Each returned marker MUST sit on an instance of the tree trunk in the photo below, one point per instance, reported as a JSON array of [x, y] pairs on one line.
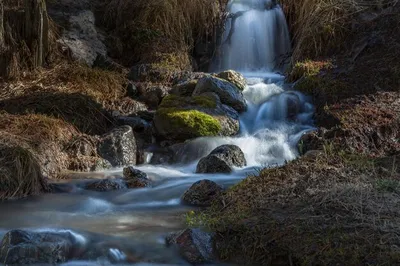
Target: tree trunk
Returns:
[[24, 37]]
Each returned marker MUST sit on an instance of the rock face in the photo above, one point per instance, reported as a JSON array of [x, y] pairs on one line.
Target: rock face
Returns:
[[182, 118], [228, 93], [135, 178], [24, 248], [152, 95], [80, 34], [221, 160], [235, 78], [118, 146], [106, 185], [202, 193], [194, 245]]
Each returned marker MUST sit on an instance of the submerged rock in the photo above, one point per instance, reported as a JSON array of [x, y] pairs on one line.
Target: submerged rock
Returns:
[[235, 78], [24, 248], [222, 159], [182, 118], [135, 178], [105, 185], [194, 245], [202, 193], [118, 146], [227, 92]]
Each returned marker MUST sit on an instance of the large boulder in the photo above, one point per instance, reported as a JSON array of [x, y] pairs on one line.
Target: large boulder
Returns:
[[182, 118], [227, 92], [194, 245], [235, 78], [119, 147], [202, 193], [185, 88], [152, 95], [222, 160], [24, 248]]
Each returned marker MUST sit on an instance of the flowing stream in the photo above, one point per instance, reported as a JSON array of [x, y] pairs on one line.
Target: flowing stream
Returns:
[[135, 222]]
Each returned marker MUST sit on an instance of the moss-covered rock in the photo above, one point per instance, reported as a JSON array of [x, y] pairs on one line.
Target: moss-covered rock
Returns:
[[182, 118], [175, 123]]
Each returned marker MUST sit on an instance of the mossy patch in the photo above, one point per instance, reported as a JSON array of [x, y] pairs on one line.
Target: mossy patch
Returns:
[[174, 101], [188, 123]]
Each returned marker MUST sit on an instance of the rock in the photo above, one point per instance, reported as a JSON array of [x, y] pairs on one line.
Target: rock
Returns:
[[202, 193], [235, 78], [105, 185], [227, 92], [311, 141], [185, 88], [135, 178], [131, 89], [24, 248], [194, 245], [181, 118], [151, 73], [152, 95], [136, 123], [82, 38], [128, 106], [118, 146], [221, 160]]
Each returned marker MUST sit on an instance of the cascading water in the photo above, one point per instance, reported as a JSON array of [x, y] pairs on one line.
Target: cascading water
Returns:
[[256, 37], [137, 219]]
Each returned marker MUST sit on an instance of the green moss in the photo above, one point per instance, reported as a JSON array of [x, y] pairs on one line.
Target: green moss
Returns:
[[174, 101], [189, 123]]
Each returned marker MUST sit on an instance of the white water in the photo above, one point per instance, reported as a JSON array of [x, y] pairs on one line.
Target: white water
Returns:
[[260, 38], [137, 220]]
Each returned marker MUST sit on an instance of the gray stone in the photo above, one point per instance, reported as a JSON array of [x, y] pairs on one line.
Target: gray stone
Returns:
[[222, 160], [202, 193], [235, 78], [194, 245], [227, 92], [185, 88], [118, 147], [24, 248]]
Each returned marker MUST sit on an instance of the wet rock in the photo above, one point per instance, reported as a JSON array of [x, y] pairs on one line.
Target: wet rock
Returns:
[[311, 141], [61, 188], [227, 92], [24, 248], [135, 178], [202, 193], [221, 160], [194, 245], [118, 146], [105, 185], [235, 78]]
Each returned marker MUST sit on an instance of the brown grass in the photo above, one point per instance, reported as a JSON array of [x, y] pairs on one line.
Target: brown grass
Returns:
[[72, 92], [20, 172], [332, 210], [320, 26], [167, 26]]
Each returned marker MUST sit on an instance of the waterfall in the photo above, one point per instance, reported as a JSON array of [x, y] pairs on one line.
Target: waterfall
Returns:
[[256, 37]]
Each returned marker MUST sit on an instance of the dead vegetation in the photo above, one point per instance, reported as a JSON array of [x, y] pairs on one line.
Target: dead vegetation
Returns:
[[333, 209], [320, 27], [153, 31]]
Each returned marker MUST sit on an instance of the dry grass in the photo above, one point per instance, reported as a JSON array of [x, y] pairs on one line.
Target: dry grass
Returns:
[[72, 92], [320, 26], [332, 210], [167, 26], [20, 172]]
